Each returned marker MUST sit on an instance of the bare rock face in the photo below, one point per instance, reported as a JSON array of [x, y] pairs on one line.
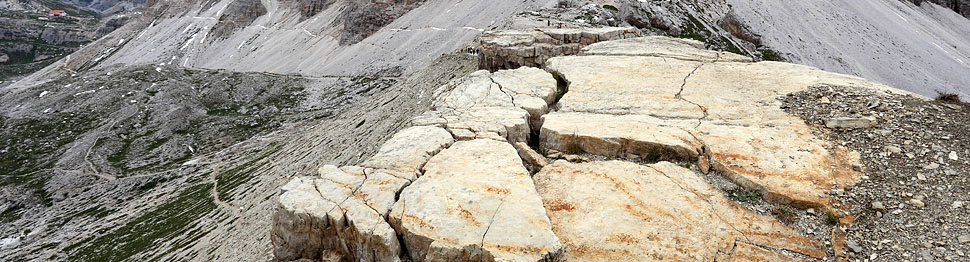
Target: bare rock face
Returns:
[[362, 18], [327, 214], [501, 105], [475, 202], [343, 211], [714, 106], [656, 212], [408, 150], [455, 186], [238, 14], [514, 49], [962, 7]]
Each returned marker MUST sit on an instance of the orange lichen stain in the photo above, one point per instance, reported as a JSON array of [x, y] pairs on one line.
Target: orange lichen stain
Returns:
[[622, 238], [467, 216], [734, 156], [496, 190], [417, 220], [559, 205], [585, 251]]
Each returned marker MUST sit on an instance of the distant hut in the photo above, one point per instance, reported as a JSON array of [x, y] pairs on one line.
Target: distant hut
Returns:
[[57, 13]]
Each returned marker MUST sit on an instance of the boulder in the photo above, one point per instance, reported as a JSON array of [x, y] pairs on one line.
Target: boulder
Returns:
[[475, 201], [656, 212]]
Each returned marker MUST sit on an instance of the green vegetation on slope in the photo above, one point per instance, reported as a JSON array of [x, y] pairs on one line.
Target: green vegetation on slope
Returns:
[[176, 217]]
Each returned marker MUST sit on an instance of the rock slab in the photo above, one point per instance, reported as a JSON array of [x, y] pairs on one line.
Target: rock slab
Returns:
[[668, 99], [475, 201], [656, 212]]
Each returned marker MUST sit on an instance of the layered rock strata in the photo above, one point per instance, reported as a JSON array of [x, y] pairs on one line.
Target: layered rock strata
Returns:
[[455, 186], [514, 49]]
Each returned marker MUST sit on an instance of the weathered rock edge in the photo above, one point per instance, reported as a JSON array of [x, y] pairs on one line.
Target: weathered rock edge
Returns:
[[345, 211], [514, 49]]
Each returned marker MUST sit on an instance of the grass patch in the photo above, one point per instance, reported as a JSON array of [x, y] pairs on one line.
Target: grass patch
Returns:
[[230, 180], [771, 55], [141, 233], [831, 218], [573, 147], [949, 98], [611, 8], [10, 215], [784, 214], [752, 197]]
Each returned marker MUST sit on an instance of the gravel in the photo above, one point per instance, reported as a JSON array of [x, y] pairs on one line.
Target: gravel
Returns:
[[909, 204]]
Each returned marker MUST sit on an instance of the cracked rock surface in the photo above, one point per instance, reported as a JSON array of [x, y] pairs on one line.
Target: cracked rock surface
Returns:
[[344, 209], [475, 202], [723, 111], [656, 212], [499, 105], [459, 186]]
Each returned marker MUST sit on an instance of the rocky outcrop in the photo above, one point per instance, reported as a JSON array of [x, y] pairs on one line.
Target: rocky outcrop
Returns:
[[360, 19], [475, 202], [514, 49], [715, 108], [344, 209], [644, 103], [238, 14], [656, 212], [962, 7], [500, 106]]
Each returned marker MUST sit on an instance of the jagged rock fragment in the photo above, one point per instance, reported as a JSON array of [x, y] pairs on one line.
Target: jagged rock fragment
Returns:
[[850, 122], [476, 202], [530, 155], [611, 211]]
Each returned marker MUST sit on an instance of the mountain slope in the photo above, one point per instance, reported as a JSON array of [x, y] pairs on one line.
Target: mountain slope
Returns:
[[923, 49], [278, 38]]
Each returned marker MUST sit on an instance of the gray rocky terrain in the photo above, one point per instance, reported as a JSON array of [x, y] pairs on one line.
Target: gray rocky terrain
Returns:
[[31, 39], [357, 131]]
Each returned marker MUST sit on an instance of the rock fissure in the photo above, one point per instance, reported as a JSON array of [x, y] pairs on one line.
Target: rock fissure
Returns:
[[729, 253], [684, 84], [500, 88], [489, 226]]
